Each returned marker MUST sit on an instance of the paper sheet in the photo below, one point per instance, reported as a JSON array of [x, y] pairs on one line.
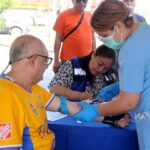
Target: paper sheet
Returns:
[[53, 116]]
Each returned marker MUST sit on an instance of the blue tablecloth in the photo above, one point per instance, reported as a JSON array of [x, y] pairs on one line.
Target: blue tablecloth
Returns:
[[92, 136]]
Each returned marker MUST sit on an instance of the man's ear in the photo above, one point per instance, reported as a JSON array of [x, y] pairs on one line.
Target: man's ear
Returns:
[[32, 61], [93, 54]]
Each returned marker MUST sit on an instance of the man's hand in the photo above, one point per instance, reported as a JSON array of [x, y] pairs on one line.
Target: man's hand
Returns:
[[56, 66], [87, 113], [108, 92]]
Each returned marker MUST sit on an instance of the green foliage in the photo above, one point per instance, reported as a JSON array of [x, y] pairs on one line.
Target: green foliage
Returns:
[[6, 4], [2, 23]]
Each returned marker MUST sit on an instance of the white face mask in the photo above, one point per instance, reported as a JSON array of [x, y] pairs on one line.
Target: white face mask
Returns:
[[110, 42]]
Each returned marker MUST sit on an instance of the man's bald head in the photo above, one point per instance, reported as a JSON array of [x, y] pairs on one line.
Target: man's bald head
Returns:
[[25, 45]]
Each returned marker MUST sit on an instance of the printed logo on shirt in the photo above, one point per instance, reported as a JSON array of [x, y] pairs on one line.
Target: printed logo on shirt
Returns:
[[5, 131], [43, 129], [39, 104], [34, 109]]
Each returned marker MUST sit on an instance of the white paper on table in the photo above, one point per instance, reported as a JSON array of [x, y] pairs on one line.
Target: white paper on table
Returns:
[[53, 116]]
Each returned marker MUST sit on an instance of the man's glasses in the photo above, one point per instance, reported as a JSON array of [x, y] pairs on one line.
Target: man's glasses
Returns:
[[48, 60], [84, 1]]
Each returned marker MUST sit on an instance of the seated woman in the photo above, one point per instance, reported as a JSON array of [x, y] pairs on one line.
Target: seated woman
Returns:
[[82, 78]]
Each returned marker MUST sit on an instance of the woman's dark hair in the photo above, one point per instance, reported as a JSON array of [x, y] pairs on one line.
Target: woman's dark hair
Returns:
[[108, 13], [104, 51]]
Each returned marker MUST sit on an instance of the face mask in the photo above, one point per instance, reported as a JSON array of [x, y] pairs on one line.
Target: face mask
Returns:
[[111, 43]]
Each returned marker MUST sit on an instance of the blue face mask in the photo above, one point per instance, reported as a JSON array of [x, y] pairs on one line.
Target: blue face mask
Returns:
[[111, 43]]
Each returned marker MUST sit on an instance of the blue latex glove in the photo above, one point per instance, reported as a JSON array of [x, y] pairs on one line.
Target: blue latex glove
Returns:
[[88, 112], [108, 92], [63, 106]]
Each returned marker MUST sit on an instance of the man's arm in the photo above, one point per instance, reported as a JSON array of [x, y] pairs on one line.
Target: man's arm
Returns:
[[71, 94], [74, 109], [62, 105], [93, 42], [55, 103], [57, 47]]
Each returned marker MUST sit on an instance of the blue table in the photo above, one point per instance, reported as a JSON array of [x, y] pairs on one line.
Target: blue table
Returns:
[[92, 136]]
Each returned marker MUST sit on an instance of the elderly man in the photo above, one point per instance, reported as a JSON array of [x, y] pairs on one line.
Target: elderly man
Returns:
[[23, 122]]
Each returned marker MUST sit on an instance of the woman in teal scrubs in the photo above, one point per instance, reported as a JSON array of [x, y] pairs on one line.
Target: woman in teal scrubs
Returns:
[[116, 28]]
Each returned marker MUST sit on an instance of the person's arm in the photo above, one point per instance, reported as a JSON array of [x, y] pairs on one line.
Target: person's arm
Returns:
[[62, 82], [71, 94], [126, 101], [93, 42], [72, 109], [55, 103], [57, 47]]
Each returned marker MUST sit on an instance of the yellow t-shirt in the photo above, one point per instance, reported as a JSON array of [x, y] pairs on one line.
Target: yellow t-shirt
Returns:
[[23, 121]]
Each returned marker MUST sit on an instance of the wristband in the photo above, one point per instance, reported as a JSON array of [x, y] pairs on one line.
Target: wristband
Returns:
[[63, 106]]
